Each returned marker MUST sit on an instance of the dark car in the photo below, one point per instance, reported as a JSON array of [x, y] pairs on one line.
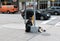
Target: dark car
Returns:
[[39, 15], [53, 10]]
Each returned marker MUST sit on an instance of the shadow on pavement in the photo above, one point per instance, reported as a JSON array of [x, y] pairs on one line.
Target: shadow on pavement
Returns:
[[45, 34]]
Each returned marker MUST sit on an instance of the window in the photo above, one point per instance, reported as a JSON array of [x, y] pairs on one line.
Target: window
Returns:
[[53, 8], [58, 8], [8, 4], [2, 0]]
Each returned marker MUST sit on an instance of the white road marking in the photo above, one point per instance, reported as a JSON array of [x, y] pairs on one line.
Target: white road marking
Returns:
[[15, 26], [58, 24], [48, 20]]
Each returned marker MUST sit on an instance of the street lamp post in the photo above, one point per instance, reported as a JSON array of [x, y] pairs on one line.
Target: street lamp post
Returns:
[[34, 13], [33, 28], [58, 2], [53, 2], [25, 12], [48, 4], [37, 4]]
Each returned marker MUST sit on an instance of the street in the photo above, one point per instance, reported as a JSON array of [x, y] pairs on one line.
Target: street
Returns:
[[12, 26], [17, 19], [12, 29], [54, 20], [9, 18]]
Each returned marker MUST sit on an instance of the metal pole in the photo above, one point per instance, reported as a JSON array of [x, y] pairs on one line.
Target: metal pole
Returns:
[[53, 2], [18, 4], [25, 12], [58, 1], [48, 4], [34, 13], [37, 4]]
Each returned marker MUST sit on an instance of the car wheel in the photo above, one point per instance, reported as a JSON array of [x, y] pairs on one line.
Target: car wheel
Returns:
[[13, 12], [42, 18], [49, 13], [16, 12], [56, 13], [8, 12]]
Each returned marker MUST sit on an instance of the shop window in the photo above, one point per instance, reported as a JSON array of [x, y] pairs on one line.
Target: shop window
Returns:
[[43, 6]]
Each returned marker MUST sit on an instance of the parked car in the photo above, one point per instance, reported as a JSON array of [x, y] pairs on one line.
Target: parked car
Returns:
[[39, 15], [8, 8], [53, 10]]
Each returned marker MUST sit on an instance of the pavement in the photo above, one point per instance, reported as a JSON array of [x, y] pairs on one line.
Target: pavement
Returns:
[[16, 32]]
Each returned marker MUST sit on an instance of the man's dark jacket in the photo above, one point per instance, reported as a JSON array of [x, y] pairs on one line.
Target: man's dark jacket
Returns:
[[28, 25]]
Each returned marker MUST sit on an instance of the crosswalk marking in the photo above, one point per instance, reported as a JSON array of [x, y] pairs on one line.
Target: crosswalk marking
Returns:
[[48, 20], [58, 24]]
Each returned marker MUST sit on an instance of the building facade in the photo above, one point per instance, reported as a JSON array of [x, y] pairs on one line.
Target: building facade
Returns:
[[42, 4]]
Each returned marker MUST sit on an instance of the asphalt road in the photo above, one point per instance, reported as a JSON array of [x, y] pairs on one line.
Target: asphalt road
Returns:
[[9, 18], [54, 20], [16, 18], [9, 31]]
